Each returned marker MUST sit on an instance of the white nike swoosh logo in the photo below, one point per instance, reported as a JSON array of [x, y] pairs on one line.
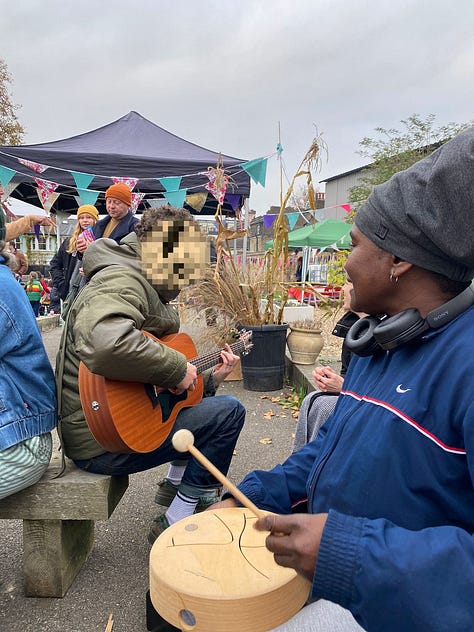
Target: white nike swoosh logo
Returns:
[[402, 390]]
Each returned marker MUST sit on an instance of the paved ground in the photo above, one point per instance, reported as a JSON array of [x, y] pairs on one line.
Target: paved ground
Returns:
[[114, 580]]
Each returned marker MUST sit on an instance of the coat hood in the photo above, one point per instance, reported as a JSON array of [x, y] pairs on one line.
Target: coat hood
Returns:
[[105, 252]]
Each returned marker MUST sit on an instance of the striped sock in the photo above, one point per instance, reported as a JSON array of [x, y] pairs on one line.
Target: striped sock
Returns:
[[181, 507], [175, 473]]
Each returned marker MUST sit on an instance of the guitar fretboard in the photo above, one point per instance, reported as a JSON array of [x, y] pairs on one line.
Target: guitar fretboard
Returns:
[[211, 359]]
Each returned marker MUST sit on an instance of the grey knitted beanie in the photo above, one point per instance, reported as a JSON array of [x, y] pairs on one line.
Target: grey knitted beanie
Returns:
[[425, 214]]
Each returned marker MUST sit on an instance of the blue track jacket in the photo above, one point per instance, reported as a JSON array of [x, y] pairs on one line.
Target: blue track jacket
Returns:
[[394, 467]]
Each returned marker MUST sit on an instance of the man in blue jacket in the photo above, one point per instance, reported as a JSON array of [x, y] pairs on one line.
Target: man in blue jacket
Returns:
[[389, 479]]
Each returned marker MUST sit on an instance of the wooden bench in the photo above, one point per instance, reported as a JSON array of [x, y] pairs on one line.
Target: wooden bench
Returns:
[[58, 524]]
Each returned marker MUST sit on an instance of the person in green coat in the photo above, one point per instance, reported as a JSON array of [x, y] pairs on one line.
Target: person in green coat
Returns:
[[129, 286]]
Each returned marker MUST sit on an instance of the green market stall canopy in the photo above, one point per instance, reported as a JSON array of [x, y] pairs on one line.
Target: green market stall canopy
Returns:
[[329, 233]]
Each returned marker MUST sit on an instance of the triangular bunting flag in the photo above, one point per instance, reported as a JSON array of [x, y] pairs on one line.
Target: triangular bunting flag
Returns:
[[233, 199], [176, 198], [82, 180], [292, 219], [8, 190], [34, 166], [257, 170], [7, 210], [196, 201], [156, 202], [217, 184], [6, 175], [171, 183], [130, 182], [49, 200], [268, 220], [45, 188], [136, 199], [88, 196], [346, 207]]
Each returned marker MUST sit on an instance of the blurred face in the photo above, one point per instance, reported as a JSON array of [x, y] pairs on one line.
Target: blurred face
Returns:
[[116, 208], [174, 255], [86, 220], [368, 269]]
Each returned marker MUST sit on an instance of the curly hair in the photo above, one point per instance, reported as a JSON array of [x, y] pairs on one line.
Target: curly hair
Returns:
[[9, 258], [160, 213]]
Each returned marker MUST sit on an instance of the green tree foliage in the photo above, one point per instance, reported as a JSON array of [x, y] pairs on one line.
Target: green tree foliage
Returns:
[[11, 130], [394, 150]]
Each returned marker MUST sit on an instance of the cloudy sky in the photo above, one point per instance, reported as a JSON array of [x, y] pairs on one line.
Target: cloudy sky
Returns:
[[227, 74]]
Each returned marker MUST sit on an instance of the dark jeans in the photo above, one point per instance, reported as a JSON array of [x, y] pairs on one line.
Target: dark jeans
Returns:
[[215, 422], [36, 307]]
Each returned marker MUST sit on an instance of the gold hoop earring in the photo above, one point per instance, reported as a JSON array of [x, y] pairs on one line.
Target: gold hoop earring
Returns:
[[393, 278]]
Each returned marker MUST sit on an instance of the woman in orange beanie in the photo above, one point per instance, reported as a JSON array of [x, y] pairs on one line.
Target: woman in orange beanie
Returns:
[[64, 262]]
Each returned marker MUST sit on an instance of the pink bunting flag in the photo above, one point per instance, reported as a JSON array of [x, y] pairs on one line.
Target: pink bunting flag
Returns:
[[346, 207], [217, 184], [45, 188], [34, 166], [136, 199], [130, 182]]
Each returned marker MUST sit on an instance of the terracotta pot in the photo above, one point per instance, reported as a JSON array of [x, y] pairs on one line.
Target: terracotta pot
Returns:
[[304, 345]]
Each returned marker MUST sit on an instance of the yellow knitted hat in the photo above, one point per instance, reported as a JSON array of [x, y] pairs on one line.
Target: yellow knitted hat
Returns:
[[89, 209]]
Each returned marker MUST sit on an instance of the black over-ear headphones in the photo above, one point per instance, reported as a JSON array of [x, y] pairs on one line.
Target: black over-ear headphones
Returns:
[[371, 334]]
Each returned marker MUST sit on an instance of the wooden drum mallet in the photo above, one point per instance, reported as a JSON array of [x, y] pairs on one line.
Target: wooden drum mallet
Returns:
[[211, 572], [183, 441]]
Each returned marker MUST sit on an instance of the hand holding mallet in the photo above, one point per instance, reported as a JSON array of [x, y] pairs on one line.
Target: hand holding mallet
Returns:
[[183, 441]]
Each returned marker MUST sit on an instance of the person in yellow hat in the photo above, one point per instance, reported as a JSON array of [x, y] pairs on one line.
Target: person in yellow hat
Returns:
[[65, 261]]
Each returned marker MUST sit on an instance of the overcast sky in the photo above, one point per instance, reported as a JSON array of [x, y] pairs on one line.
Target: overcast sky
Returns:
[[225, 73]]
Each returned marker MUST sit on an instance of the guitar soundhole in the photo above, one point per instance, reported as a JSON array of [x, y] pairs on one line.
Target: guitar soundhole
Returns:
[[166, 400]]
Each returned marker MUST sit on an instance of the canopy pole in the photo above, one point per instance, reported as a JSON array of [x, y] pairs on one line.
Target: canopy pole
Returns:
[[245, 240]]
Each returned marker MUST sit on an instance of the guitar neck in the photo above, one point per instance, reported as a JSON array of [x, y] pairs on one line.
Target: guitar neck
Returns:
[[211, 359]]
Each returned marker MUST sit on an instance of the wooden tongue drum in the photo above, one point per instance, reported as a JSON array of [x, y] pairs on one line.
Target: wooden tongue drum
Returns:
[[211, 572]]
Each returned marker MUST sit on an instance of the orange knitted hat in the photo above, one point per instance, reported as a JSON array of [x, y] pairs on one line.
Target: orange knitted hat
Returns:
[[120, 191]]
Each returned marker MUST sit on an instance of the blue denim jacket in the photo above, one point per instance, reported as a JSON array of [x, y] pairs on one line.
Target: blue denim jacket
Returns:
[[28, 405]]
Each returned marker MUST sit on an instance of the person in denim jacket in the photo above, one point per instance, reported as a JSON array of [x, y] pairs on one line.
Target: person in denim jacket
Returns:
[[28, 407]]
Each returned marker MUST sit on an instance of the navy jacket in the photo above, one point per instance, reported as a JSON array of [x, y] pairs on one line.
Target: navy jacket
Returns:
[[394, 467], [124, 227]]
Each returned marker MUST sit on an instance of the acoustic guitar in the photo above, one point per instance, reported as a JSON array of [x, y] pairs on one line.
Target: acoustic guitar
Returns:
[[127, 417]]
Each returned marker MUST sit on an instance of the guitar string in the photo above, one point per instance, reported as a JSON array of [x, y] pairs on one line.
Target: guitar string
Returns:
[[206, 361]]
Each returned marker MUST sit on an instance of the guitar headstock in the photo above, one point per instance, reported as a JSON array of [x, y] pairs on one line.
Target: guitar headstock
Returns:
[[245, 338]]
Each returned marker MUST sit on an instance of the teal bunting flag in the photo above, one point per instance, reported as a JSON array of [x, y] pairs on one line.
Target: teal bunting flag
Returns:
[[82, 180], [87, 196], [292, 219], [257, 170], [6, 175], [171, 183], [176, 198]]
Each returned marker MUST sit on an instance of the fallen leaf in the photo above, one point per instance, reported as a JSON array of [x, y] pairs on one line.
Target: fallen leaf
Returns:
[[265, 441], [269, 414]]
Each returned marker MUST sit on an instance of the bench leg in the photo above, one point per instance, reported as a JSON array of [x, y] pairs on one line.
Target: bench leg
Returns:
[[53, 553]]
